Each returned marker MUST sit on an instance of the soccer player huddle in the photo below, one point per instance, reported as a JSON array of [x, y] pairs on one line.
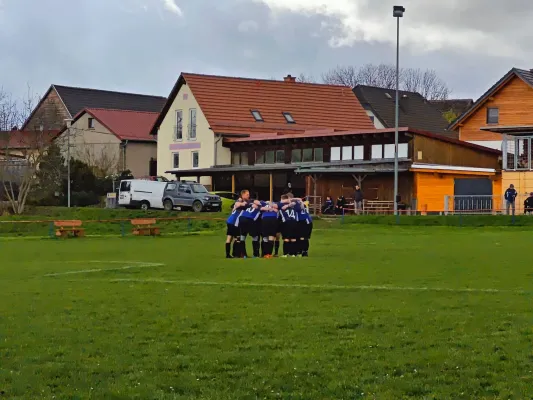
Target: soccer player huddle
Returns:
[[266, 222]]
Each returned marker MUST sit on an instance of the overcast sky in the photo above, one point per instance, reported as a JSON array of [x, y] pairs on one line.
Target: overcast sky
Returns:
[[143, 45]]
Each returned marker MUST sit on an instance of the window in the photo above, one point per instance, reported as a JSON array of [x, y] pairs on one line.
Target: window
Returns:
[[240, 158], [493, 115], [335, 154], [372, 118], [171, 187], [318, 155], [125, 186], [359, 152], [195, 159], [307, 155], [257, 115], [198, 188], [178, 131], [280, 156], [296, 155], [192, 124], [90, 123], [176, 160], [403, 150], [183, 188], [377, 151], [289, 118], [388, 151], [269, 157], [259, 157], [347, 153]]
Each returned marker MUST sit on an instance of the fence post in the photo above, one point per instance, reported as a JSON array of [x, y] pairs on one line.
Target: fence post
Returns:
[[446, 204], [188, 225], [513, 219], [342, 217], [460, 219], [51, 230], [122, 229]]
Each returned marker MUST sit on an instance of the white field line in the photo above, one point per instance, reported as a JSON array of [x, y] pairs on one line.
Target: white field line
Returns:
[[131, 264], [324, 287]]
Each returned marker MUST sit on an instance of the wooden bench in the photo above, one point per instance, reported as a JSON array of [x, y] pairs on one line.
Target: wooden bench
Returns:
[[145, 227], [69, 228], [377, 207]]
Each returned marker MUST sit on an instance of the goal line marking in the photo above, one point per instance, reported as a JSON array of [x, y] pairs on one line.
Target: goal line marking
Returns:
[[127, 265], [324, 287]]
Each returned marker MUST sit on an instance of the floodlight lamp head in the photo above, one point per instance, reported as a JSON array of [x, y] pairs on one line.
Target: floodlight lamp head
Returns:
[[398, 11]]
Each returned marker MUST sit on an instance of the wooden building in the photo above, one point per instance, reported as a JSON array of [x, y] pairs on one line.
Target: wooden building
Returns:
[[330, 162]]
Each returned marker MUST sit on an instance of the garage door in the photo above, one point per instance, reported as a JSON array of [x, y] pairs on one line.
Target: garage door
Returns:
[[473, 194]]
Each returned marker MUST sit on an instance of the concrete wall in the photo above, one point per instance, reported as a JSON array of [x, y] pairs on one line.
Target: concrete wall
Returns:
[[204, 143]]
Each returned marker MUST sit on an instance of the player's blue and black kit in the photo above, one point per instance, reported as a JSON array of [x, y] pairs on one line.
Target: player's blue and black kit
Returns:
[[305, 228], [231, 222], [289, 219], [250, 224], [269, 220]]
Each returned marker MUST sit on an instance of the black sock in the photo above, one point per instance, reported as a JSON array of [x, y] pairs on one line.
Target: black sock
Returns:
[[286, 247], [264, 248], [255, 247], [270, 247], [276, 247], [300, 244], [236, 249], [228, 249], [243, 248], [306, 246]]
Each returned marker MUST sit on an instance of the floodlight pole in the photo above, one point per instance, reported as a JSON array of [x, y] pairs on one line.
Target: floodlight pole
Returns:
[[69, 123], [397, 13]]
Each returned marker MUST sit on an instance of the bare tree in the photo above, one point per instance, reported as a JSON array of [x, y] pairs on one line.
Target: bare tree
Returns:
[[342, 75], [21, 152], [103, 158], [302, 78], [427, 82]]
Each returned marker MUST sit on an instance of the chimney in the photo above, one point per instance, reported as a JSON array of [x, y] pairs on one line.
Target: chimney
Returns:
[[289, 78]]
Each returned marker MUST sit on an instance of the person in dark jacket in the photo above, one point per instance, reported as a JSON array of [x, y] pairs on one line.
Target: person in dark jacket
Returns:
[[510, 197], [329, 206], [528, 204], [341, 204], [358, 199]]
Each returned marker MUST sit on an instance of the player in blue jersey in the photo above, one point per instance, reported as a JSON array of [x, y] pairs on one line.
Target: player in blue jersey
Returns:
[[233, 233], [249, 224], [269, 227], [288, 225], [305, 227]]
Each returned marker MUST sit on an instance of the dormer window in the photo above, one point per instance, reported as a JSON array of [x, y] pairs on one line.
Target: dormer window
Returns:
[[257, 115], [289, 118]]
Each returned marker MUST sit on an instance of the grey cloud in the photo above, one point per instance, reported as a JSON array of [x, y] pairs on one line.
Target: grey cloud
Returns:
[[137, 45]]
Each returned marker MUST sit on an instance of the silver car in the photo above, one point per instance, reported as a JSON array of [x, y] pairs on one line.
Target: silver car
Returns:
[[190, 195]]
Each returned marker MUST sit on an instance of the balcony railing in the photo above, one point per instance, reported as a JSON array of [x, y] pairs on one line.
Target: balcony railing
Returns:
[[191, 133], [517, 153], [178, 132]]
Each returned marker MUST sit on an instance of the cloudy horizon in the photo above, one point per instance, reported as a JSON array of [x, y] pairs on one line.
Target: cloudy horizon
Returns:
[[143, 45]]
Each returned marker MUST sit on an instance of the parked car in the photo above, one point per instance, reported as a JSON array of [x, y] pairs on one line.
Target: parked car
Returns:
[[190, 195], [228, 199], [139, 193]]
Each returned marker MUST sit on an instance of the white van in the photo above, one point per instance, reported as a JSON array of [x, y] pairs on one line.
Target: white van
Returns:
[[139, 193]]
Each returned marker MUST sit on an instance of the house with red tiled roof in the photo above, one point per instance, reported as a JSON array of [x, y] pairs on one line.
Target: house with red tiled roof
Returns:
[[203, 110], [113, 140]]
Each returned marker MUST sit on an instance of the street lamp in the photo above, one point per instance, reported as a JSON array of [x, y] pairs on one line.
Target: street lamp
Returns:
[[397, 13]]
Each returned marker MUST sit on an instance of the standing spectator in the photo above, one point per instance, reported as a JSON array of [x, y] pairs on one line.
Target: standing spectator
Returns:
[[528, 204], [510, 197], [358, 199]]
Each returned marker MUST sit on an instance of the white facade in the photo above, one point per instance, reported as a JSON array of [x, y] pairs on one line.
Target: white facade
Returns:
[[192, 146]]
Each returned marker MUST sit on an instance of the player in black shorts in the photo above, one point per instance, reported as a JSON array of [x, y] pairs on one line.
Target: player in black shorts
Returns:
[[288, 226], [233, 233], [269, 227]]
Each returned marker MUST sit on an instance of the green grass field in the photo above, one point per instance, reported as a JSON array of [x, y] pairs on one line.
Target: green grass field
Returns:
[[376, 312]]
